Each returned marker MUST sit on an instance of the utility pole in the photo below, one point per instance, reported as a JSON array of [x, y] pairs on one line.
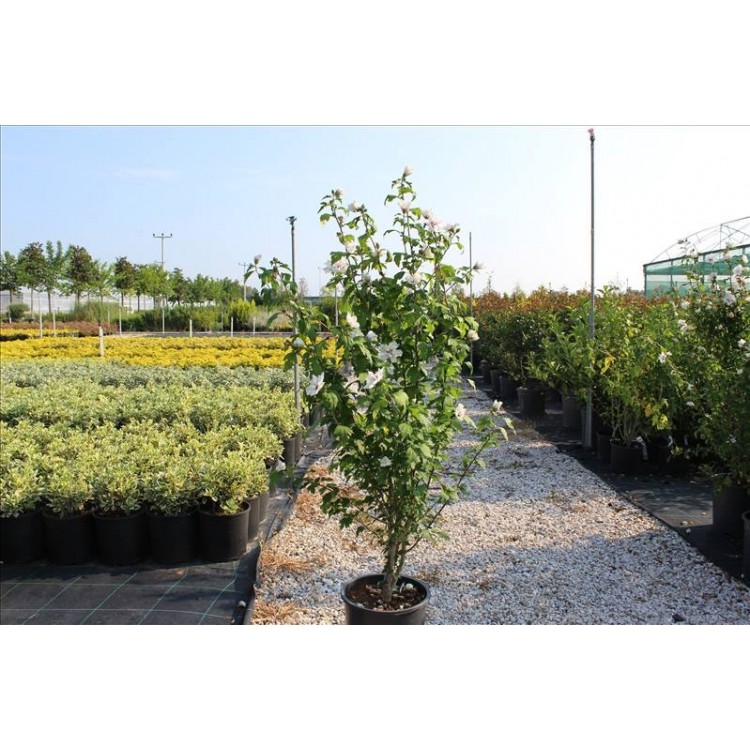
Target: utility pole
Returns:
[[244, 281], [291, 220], [162, 237], [471, 300]]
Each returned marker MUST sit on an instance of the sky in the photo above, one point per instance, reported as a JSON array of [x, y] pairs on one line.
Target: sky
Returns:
[[523, 192]]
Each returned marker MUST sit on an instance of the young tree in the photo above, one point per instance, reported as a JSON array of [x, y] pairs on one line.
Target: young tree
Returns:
[[124, 277], [31, 268], [79, 271], [102, 279], [179, 285], [9, 281], [155, 281], [53, 270]]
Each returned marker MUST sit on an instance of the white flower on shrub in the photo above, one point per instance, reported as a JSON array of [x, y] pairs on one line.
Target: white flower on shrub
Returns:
[[408, 171], [350, 248], [339, 193], [729, 298], [426, 253], [351, 321], [738, 270], [472, 336], [363, 408], [742, 343], [256, 260], [460, 412], [373, 378], [413, 278], [691, 404], [316, 383], [298, 343], [451, 227], [404, 205], [340, 265], [683, 326], [389, 352], [355, 206], [664, 356], [497, 407], [684, 304], [372, 336], [385, 462]]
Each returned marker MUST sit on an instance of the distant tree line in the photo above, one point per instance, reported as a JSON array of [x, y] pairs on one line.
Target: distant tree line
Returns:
[[50, 269]]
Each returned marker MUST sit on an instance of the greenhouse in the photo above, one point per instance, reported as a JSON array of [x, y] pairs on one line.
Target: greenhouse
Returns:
[[718, 250]]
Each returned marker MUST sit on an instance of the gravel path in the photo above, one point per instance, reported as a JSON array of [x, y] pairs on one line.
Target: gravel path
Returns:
[[537, 539]]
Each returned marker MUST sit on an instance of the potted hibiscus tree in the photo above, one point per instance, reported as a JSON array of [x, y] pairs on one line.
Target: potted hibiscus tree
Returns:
[[389, 391]]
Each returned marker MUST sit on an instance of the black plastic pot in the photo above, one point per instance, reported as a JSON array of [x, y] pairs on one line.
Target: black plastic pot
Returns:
[[223, 537], [746, 547], [174, 539], [121, 540], [531, 402], [508, 388], [495, 376], [729, 505], [22, 538], [625, 459], [571, 412], [289, 456], [484, 369], [69, 541], [359, 615], [603, 446]]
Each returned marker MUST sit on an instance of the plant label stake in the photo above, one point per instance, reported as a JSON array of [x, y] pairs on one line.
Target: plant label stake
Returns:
[[101, 342]]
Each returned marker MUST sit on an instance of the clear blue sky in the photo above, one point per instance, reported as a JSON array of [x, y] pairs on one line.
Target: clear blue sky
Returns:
[[224, 192]]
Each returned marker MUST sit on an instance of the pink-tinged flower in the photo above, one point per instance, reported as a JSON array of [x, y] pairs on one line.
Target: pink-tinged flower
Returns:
[[389, 352], [683, 326], [316, 383], [451, 227], [373, 378], [664, 356], [738, 270], [385, 462], [340, 265], [434, 223], [404, 205], [408, 171], [729, 298]]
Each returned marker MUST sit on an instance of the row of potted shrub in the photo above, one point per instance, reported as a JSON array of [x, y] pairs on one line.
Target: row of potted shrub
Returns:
[[75, 485], [673, 372]]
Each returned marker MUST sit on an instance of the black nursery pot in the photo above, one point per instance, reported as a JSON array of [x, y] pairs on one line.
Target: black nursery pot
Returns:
[[571, 412], [223, 537], [495, 376], [121, 540], [358, 615], [289, 456], [174, 539], [253, 518], [603, 446], [746, 547], [508, 388], [730, 503], [263, 500], [22, 538], [531, 402], [625, 459], [69, 541]]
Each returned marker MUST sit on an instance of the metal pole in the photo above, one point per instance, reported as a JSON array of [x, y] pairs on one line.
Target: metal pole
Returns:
[[588, 433], [162, 237], [291, 220], [244, 281], [471, 300]]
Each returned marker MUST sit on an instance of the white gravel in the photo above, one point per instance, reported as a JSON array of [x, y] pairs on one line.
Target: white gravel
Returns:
[[537, 539]]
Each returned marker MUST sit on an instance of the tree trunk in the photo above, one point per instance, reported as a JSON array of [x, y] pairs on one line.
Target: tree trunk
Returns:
[[49, 300]]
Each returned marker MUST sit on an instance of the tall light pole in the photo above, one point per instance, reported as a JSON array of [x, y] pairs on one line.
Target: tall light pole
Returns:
[[588, 437], [291, 220], [162, 237]]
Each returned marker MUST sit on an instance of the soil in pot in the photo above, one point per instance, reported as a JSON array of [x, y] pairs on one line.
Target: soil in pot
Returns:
[[69, 541], [174, 539], [22, 538], [121, 539], [363, 606]]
